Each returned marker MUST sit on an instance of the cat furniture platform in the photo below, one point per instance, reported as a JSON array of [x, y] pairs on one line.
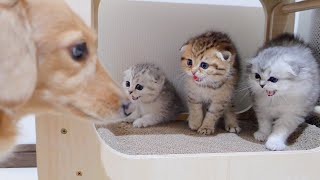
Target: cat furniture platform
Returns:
[[69, 148]]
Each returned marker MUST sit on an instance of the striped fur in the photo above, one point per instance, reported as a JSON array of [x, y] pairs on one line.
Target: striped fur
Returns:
[[210, 86], [157, 102]]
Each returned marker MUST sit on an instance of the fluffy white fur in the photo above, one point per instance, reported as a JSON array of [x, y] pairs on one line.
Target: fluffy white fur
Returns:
[[290, 99], [157, 102]]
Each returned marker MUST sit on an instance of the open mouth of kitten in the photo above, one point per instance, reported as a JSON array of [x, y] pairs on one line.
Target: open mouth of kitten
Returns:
[[135, 98], [271, 93], [196, 78]]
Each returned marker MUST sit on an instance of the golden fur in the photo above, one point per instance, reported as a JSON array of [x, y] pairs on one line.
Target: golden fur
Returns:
[[38, 73], [210, 88]]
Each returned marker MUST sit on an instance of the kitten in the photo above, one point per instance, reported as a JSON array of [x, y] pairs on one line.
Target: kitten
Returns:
[[210, 62], [284, 80], [153, 96]]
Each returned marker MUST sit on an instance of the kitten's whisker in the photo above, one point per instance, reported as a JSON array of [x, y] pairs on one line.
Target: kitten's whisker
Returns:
[[284, 99], [243, 89], [244, 96]]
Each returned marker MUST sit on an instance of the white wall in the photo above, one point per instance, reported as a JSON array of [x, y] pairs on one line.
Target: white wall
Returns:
[[132, 32], [82, 8], [303, 24]]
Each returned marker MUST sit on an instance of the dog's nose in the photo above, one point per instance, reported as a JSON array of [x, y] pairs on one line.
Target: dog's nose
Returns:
[[262, 85], [127, 107]]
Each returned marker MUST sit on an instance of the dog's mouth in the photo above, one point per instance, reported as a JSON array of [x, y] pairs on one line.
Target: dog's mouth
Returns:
[[125, 109], [271, 93]]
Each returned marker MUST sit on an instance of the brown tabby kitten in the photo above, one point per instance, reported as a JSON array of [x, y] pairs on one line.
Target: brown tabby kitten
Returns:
[[210, 62]]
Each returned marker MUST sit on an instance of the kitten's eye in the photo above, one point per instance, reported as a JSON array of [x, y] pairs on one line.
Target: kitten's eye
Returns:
[[79, 51], [273, 79], [258, 76], [204, 65], [189, 62], [139, 87], [127, 84]]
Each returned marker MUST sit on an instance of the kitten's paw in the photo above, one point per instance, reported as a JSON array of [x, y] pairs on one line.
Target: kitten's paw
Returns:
[[139, 123], [275, 144], [194, 122], [194, 125], [260, 136], [233, 129], [205, 131]]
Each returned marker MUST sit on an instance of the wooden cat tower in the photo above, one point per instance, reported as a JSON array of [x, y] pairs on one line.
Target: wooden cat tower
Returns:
[[69, 148]]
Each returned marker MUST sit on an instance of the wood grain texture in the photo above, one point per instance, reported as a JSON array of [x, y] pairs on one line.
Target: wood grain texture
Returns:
[[277, 22], [67, 149], [24, 155], [94, 12], [301, 6], [82, 152]]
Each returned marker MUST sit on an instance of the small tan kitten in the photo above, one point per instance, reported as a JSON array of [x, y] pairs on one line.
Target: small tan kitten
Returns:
[[210, 62]]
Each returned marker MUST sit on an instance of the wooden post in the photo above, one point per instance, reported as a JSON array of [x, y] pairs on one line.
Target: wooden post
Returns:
[[301, 6], [277, 21], [94, 13], [68, 149]]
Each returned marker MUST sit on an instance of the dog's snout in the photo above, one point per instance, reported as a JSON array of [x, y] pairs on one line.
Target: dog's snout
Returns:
[[127, 107]]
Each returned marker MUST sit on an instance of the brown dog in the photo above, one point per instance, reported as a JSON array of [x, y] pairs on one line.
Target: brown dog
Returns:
[[48, 60]]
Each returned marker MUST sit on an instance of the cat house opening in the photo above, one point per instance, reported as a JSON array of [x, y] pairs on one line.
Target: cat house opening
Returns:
[[132, 32]]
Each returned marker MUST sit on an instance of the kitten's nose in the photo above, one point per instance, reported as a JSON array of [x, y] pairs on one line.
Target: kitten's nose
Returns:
[[194, 71], [262, 85], [130, 92]]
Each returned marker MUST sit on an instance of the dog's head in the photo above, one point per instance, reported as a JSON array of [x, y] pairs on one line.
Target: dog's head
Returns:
[[48, 52]]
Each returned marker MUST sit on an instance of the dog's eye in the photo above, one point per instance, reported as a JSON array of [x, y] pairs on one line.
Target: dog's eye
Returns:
[[257, 76], [273, 79], [79, 51], [139, 87], [127, 84]]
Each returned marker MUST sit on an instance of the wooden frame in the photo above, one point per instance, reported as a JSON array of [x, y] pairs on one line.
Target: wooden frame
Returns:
[[69, 148], [24, 155]]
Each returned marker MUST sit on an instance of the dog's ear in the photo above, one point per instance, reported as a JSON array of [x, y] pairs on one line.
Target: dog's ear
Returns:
[[8, 3], [18, 67]]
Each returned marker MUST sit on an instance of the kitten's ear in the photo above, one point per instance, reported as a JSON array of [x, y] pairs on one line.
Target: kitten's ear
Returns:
[[183, 48], [127, 71], [249, 67], [224, 55], [293, 69], [159, 79]]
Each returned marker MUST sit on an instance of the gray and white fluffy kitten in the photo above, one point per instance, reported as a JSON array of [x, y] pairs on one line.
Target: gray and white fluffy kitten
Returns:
[[154, 99], [284, 80]]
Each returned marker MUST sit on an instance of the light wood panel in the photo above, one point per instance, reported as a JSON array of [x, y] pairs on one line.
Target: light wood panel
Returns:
[[301, 6], [67, 149], [78, 148], [94, 12], [24, 155], [277, 22]]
